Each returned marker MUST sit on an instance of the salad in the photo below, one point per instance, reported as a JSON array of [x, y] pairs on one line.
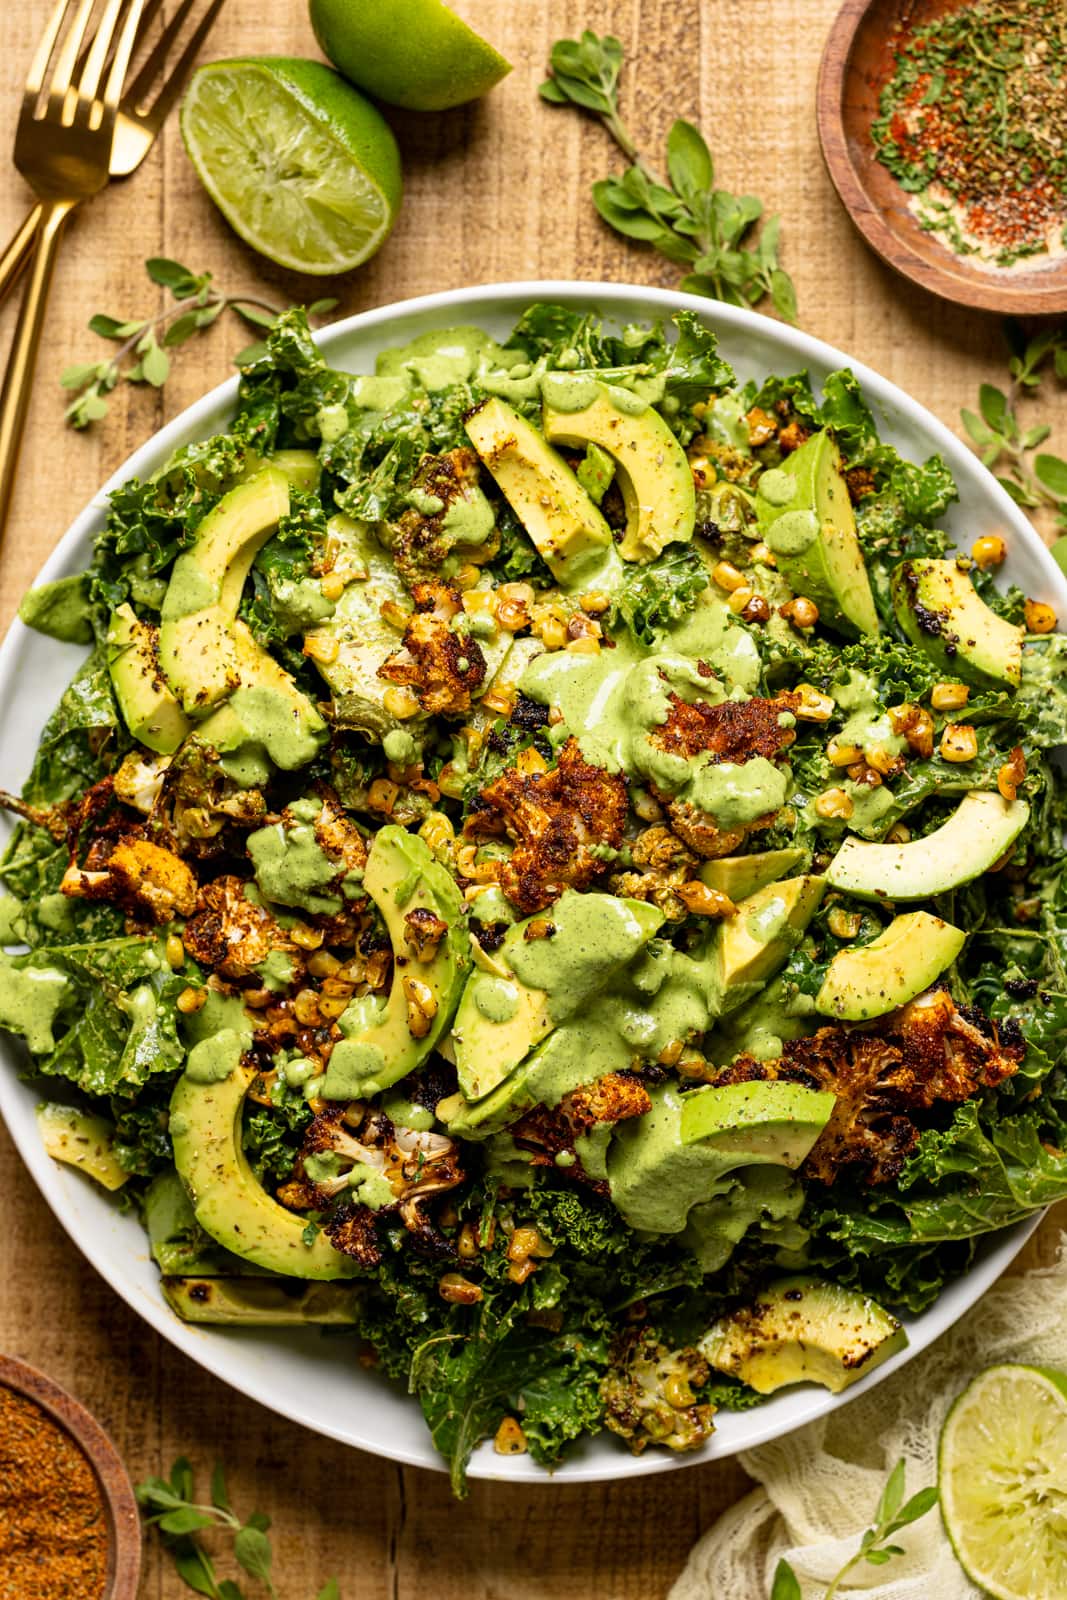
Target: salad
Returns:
[[549, 870]]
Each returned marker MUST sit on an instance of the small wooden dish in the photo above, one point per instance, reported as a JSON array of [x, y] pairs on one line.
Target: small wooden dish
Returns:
[[856, 62], [124, 1565]]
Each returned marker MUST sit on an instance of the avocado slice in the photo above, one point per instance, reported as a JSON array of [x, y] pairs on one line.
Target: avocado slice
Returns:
[[654, 475], [977, 834], [740, 876], [941, 611], [178, 1243], [800, 1330], [751, 945], [562, 521], [228, 1200], [205, 588], [534, 983], [379, 1046], [805, 515], [263, 1302], [81, 1140], [870, 979], [302, 467], [266, 717], [769, 1122], [149, 709]]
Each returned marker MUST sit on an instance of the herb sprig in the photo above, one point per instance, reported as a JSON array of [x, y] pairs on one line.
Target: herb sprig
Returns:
[[891, 1514], [999, 432], [170, 1506], [687, 219], [144, 342]]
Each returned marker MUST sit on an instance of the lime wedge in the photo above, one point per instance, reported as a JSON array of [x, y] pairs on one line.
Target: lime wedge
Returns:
[[413, 53], [1003, 1480], [302, 166]]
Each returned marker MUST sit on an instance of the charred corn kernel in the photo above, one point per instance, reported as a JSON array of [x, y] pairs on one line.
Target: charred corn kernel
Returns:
[[529, 761], [691, 1064], [700, 901], [677, 1392], [398, 616], [989, 551], [898, 834], [646, 806], [191, 1000], [322, 647], [511, 615], [949, 696], [1011, 774], [528, 1242], [466, 577], [381, 796], [468, 865], [1040, 618], [422, 1006], [553, 634], [306, 1007], [585, 645], [502, 701], [354, 970], [467, 1243], [323, 964], [479, 602], [437, 830], [862, 773], [400, 702], [727, 577], [174, 951], [509, 1439], [739, 599], [763, 554], [522, 593], [834, 803], [336, 988], [844, 924], [458, 1290], [882, 759], [332, 1006], [757, 609], [702, 470], [814, 705], [670, 1053], [595, 602], [258, 999], [451, 782], [959, 742], [305, 937], [802, 612], [842, 755], [333, 586]]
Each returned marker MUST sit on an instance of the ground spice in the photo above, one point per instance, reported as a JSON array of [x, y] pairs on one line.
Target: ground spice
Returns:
[[54, 1533], [973, 122]]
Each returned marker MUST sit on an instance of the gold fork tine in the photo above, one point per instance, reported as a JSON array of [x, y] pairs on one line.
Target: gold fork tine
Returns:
[[93, 69], [175, 81], [42, 55], [137, 91], [63, 73], [120, 65]]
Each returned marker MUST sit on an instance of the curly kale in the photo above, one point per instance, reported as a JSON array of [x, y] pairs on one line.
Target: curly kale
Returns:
[[655, 595]]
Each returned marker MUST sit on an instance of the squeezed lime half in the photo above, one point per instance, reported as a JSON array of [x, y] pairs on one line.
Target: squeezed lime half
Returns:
[[413, 53]]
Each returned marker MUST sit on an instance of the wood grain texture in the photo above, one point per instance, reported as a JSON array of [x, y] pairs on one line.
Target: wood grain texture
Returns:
[[494, 192]]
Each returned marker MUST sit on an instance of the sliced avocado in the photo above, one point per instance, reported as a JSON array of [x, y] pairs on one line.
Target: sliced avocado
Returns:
[[178, 1243], [770, 1122], [653, 471], [941, 611], [977, 834], [302, 467], [805, 515], [740, 876], [751, 945], [149, 709], [266, 716], [534, 983], [870, 979], [82, 1141], [205, 588], [564, 524], [263, 1302], [228, 1200], [385, 1040], [804, 1330]]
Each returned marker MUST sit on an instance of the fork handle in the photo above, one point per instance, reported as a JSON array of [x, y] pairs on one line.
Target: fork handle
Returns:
[[17, 253], [18, 378]]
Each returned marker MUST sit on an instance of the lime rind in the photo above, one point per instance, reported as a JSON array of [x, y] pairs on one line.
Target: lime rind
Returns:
[[418, 54], [1003, 1482]]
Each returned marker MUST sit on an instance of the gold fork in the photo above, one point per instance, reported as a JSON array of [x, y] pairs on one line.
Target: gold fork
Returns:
[[63, 152], [138, 119]]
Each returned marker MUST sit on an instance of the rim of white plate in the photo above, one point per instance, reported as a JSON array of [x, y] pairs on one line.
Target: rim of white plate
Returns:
[[235, 1357]]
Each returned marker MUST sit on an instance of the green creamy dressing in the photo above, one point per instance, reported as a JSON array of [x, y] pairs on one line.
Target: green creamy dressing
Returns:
[[399, 746], [766, 1199], [268, 721], [579, 956], [276, 971], [442, 359], [299, 604], [214, 1059], [404, 1113], [219, 1013], [495, 999], [492, 906], [60, 609], [290, 864], [12, 927], [469, 520], [30, 998], [190, 589]]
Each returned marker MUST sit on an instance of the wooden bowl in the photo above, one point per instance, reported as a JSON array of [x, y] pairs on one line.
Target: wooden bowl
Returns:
[[856, 62], [124, 1564]]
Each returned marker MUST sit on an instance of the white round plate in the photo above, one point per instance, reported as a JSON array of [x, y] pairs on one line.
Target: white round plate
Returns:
[[316, 1381]]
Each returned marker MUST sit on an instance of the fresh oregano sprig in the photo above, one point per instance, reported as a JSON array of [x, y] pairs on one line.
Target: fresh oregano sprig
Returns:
[[687, 219], [999, 432], [169, 1505], [892, 1514], [144, 342]]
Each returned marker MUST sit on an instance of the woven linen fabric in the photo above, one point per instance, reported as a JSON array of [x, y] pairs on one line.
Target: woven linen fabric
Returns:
[[819, 1486]]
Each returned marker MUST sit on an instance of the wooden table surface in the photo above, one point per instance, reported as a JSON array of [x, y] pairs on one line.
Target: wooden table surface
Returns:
[[495, 191]]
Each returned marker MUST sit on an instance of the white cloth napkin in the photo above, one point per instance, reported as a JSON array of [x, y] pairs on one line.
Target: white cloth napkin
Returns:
[[820, 1485]]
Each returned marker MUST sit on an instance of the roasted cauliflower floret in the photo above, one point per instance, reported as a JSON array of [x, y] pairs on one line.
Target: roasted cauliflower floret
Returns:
[[734, 731], [560, 820], [649, 1394], [232, 934], [149, 881], [547, 1131], [339, 837], [422, 539], [443, 668]]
